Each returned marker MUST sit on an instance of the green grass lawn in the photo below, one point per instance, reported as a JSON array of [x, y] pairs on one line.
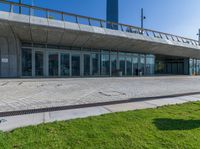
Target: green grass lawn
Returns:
[[166, 127]]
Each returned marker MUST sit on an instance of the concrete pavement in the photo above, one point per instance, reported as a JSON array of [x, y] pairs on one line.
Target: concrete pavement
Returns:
[[23, 94], [11, 122], [104, 95]]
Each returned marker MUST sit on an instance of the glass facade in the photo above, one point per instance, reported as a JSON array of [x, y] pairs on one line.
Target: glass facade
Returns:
[[39, 63], [64, 64], [95, 64], [74, 62], [141, 68], [194, 67], [150, 64], [129, 70], [53, 65], [171, 65], [105, 63], [135, 64], [113, 59], [122, 63], [26, 62], [86, 64]]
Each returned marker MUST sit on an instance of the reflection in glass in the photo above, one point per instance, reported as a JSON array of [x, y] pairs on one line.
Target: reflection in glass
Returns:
[[122, 63], [64, 64], [128, 65], [53, 65], [195, 66], [174, 68], [114, 63], [86, 64], [198, 67], [95, 64], [135, 64], [75, 65], [26, 62], [150, 64], [39, 63], [191, 66], [105, 64], [142, 64]]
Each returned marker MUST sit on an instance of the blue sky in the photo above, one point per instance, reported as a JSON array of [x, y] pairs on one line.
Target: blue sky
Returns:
[[181, 17]]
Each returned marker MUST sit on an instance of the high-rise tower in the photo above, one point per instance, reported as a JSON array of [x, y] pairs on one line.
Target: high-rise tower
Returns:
[[112, 11]]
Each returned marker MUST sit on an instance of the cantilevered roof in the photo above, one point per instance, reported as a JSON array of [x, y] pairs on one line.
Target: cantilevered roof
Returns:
[[56, 28]]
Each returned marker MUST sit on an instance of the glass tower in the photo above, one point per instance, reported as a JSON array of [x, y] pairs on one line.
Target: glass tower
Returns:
[[112, 13]]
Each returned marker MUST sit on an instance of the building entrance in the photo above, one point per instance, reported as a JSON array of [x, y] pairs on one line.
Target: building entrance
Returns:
[[171, 65]]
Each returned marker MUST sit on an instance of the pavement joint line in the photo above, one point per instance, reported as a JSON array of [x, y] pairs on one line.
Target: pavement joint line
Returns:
[[151, 103], [88, 105], [107, 109]]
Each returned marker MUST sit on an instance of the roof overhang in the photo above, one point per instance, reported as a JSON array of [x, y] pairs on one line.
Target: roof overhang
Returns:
[[48, 31]]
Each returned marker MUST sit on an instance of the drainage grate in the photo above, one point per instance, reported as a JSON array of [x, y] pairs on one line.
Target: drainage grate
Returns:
[[32, 111]]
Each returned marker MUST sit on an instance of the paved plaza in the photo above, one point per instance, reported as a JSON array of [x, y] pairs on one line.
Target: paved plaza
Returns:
[[23, 94]]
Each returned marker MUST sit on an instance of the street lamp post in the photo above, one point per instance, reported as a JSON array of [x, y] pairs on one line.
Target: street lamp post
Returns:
[[32, 4], [20, 8], [142, 20], [199, 36]]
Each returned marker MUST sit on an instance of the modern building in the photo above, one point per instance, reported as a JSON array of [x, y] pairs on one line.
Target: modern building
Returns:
[[39, 42], [112, 13]]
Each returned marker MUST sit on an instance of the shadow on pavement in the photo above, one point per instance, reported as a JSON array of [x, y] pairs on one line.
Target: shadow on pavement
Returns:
[[176, 124]]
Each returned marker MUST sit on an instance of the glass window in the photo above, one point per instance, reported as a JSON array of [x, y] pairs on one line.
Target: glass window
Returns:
[[174, 68], [195, 67], [53, 65], [122, 63], [105, 64], [129, 65], [142, 64], [169, 68], [198, 67], [26, 62], [95, 64], [114, 63], [75, 65], [180, 68], [39, 63], [150, 64], [135, 64], [64, 64], [191, 66], [86, 64]]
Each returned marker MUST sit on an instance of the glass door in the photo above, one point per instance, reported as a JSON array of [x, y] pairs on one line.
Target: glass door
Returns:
[[122, 63], [53, 64], [65, 64], [105, 64], [26, 62], [141, 69], [39, 63], [95, 64], [129, 67], [113, 59], [75, 64], [135, 64], [86, 58]]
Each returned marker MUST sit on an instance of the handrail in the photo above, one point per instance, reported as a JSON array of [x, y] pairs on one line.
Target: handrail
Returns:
[[15, 7]]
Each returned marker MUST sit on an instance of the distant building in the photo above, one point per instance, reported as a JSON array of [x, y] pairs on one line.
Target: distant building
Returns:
[[112, 12]]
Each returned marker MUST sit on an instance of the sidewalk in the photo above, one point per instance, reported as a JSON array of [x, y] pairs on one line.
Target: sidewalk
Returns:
[[11, 122]]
